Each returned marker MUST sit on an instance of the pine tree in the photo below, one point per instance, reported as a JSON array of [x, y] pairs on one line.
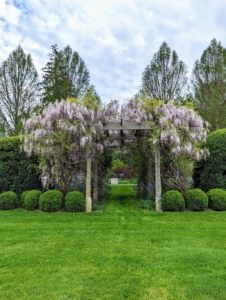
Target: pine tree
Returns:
[[65, 75]]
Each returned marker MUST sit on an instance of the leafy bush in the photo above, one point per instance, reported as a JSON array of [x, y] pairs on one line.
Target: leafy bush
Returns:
[[23, 195], [51, 201], [217, 199], [18, 172], [173, 201], [75, 201], [8, 200], [31, 200], [210, 173], [196, 199], [146, 204]]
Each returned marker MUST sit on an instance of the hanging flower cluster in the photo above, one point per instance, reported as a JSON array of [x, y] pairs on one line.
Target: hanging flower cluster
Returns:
[[63, 135], [181, 129]]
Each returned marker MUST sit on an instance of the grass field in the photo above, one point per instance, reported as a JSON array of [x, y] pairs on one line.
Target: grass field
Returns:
[[120, 253]]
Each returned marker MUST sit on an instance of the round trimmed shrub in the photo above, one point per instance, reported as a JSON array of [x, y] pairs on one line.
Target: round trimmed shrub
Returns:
[[173, 201], [75, 201], [217, 199], [51, 201], [8, 200], [196, 199], [31, 200], [22, 197]]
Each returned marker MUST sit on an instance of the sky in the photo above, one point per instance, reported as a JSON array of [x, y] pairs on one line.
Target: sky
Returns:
[[116, 38]]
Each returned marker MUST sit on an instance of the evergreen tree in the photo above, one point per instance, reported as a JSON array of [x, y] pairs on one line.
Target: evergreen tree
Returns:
[[165, 77], [209, 85], [65, 75], [18, 91]]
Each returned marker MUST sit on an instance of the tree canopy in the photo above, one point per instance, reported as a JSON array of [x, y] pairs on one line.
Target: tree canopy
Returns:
[[65, 75], [209, 85], [165, 77], [18, 91]]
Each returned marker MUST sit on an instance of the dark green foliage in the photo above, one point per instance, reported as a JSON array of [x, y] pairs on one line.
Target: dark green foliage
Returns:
[[31, 200], [211, 173], [65, 75], [75, 201], [173, 201], [18, 172], [217, 199], [196, 199], [8, 200], [146, 204], [51, 201]]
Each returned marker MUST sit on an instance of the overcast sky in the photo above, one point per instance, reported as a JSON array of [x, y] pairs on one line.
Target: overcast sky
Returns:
[[115, 38]]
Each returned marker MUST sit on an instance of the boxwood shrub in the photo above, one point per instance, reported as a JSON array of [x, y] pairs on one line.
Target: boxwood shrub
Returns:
[[196, 199], [217, 199], [31, 200], [173, 201], [8, 200], [51, 201], [75, 201]]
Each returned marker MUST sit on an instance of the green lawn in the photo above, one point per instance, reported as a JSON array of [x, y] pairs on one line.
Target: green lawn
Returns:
[[120, 253]]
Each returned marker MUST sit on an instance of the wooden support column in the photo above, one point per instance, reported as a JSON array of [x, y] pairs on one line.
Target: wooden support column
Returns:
[[158, 184], [88, 186], [95, 179]]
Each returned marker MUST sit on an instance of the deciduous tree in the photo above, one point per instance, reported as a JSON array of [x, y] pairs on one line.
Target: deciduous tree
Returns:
[[165, 77], [18, 91], [209, 85]]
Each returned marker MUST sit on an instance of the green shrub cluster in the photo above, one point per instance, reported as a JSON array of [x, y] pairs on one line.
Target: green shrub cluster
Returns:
[[211, 173], [75, 202], [51, 201], [8, 200], [173, 201], [146, 204], [18, 172], [196, 199], [217, 199], [31, 200]]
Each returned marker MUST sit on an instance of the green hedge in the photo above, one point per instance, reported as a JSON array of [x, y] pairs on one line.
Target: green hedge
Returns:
[[217, 199], [75, 202], [173, 201], [8, 200], [31, 200], [211, 173], [51, 201], [196, 199], [17, 171]]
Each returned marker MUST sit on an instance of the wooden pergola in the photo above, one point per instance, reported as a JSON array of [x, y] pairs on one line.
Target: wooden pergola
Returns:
[[117, 135]]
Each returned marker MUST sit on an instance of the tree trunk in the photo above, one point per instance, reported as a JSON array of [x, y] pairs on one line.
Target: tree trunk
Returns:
[[95, 180], [88, 186], [158, 185]]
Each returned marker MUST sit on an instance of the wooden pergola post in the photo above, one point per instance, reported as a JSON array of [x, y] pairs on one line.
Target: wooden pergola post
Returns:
[[95, 179], [88, 186]]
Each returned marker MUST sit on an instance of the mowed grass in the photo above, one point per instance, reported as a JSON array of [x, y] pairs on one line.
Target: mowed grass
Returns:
[[120, 253]]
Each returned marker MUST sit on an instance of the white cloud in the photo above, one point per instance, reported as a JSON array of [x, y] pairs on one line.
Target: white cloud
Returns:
[[116, 39]]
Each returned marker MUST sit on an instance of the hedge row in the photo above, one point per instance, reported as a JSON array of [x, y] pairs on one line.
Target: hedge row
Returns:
[[18, 172], [49, 201], [194, 199]]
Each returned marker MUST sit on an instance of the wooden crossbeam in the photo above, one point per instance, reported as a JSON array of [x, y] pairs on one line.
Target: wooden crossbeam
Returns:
[[127, 126]]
